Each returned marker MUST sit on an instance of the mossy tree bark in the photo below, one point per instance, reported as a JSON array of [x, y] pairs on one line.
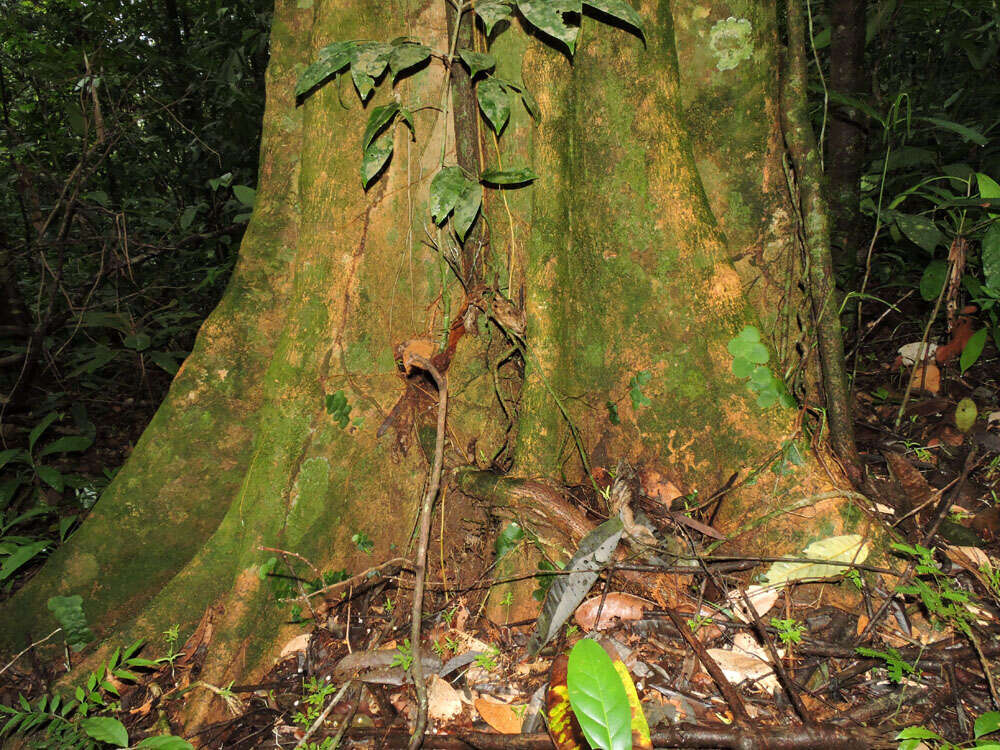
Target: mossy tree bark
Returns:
[[614, 256]]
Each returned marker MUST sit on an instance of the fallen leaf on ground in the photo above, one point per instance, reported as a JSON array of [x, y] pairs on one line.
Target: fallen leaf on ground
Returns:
[[443, 701], [617, 606], [500, 716], [297, 644], [926, 378]]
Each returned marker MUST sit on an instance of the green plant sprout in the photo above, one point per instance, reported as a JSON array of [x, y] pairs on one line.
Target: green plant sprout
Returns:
[[403, 656], [895, 665], [789, 631]]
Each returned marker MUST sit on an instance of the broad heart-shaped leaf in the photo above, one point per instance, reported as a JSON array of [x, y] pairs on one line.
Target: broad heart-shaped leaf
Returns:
[[105, 729], [245, 195], [973, 348], [466, 209], [620, 9], [379, 118], [920, 231], [447, 187], [598, 697], [406, 56], [165, 742], [368, 62], [332, 59], [991, 256], [492, 12], [567, 591], [548, 17], [515, 176], [477, 62], [531, 104], [495, 103], [375, 157], [932, 280]]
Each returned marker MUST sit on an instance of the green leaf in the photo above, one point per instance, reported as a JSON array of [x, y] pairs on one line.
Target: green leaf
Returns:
[[368, 62], [991, 257], [530, 104], [165, 742], [106, 729], [51, 477], [598, 697], [973, 348], [188, 216], [466, 208], [447, 188], [932, 281], [508, 539], [375, 157], [494, 101], [11, 454], [477, 62], [988, 723], [566, 592], [492, 12], [67, 444], [742, 368], [332, 59], [379, 118], [245, 195], [406, 56], [920, 230], [917, 733], [20, 556], [68, 611], [966, 413], [165, 361], [38, 429], [515, 176], [967, 133], [548, 17], [620, 9], [138, 341]]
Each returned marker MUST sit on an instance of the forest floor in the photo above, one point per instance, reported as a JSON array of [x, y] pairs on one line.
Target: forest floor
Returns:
[[710, 672]]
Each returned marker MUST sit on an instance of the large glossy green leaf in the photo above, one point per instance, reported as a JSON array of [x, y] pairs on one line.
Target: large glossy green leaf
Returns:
[[375, 157], [477, 62], [932, 281], [620, 9], [548, 16], [991, 257], [106, 729], [598, 697], [447, 188], [567, 591], [492, 12], [495, 103]]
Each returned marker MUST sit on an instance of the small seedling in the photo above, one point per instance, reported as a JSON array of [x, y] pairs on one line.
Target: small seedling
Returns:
[[403, 656], [789, 631]]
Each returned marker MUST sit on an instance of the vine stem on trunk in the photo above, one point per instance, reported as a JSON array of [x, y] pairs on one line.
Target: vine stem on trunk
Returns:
[[420, 568]]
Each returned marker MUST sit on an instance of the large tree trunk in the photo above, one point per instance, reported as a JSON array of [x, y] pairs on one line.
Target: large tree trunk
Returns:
[[615, 253]]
